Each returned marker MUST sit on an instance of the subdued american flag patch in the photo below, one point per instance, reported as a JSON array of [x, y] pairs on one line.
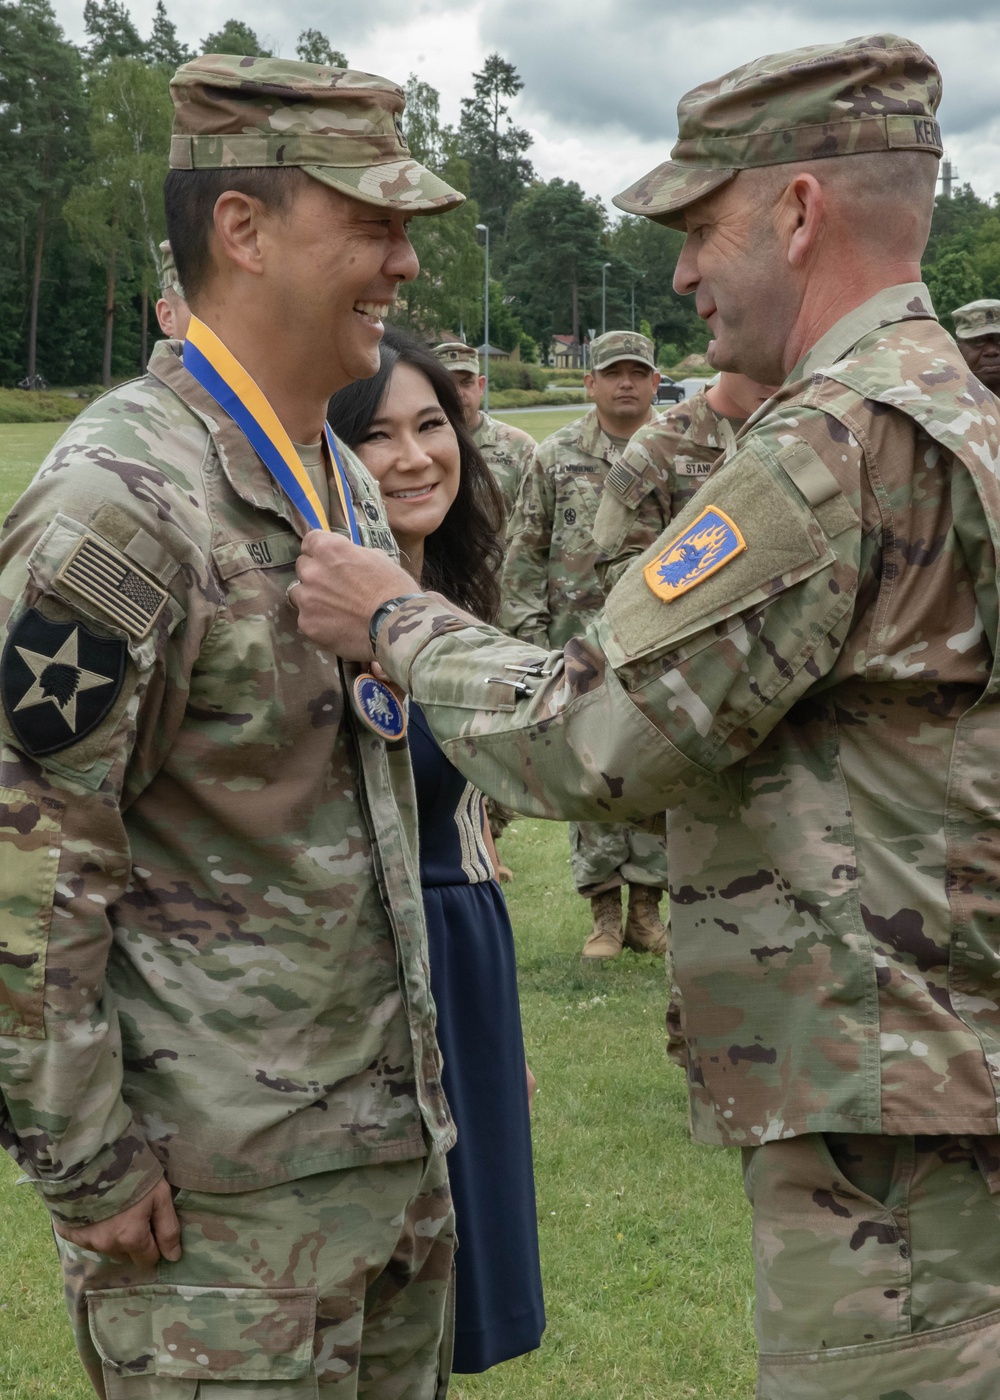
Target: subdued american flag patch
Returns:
[[107, 580]]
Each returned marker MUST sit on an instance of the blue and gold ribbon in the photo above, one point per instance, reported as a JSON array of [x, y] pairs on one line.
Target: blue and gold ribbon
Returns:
[[222, 376]]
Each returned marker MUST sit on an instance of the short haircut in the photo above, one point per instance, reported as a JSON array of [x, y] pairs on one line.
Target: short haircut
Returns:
[[189, 199]]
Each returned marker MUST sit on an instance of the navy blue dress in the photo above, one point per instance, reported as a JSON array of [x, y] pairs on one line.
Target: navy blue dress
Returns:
[[498, 1301]]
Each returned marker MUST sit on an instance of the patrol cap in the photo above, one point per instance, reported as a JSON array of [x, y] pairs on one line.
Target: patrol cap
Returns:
[[342, 127], [455, 355], [169, 281], [613, 346], [877, 93], [977, 319]]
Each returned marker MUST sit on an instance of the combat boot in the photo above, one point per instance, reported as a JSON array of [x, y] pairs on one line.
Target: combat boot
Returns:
[[605, 939], [644, 933]]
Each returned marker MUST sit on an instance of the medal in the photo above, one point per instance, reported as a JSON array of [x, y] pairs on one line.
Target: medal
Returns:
[[222, 376]]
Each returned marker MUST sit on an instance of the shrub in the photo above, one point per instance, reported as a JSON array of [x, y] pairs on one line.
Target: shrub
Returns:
[[32, 406], [515, 374], [534, 398]]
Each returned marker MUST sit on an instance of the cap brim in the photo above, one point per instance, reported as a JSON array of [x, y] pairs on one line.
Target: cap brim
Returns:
[[978, 333], [404, 185], [670, 188], [626, 355]]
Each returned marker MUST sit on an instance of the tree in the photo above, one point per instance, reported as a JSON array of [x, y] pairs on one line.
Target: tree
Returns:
[[43, 133], [645, 255], [314, 47], [112, 33], [425, 136], [493, 146], [235, 37], [953, 281], [553, 259], [164, 47], [117, 213]]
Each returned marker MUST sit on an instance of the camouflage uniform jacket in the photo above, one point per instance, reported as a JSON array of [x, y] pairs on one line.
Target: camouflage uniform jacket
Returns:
[[549, 583], [820, 711], [213, 961], [660, 470], [508, 452]]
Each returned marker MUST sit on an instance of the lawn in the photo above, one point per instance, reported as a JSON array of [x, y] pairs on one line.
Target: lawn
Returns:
[[539, 422], [645, 1237]]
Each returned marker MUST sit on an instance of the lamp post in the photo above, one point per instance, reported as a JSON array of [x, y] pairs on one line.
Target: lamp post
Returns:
[[483, 230], [604, 297]]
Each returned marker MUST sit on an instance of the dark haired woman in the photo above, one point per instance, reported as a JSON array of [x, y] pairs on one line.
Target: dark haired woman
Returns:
[[407, 426]]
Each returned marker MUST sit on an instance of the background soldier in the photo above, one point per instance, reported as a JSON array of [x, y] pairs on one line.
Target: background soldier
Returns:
[[214, 973], [803, 669], [551, 589], [977, 330], [507, 450], [663, 466], [172, 311]]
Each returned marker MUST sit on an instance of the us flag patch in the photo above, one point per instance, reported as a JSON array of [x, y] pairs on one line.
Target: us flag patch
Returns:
[[106, 579]]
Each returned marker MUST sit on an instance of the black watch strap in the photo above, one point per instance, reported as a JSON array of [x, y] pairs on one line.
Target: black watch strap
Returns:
[[382, 612]]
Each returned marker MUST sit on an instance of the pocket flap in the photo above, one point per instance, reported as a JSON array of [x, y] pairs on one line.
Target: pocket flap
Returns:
[[247, 1334]]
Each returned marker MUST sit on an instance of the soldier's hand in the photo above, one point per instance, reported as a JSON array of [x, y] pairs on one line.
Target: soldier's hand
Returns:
[[143, 1233], [340, 586]]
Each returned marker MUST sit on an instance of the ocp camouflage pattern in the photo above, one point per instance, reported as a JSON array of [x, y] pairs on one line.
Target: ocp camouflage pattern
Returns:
[[508, 452], [820, 719], [662, 467], [213, 963]]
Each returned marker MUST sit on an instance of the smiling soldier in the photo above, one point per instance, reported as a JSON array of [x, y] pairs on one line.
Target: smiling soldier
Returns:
[[218, 1058], [805, 671]]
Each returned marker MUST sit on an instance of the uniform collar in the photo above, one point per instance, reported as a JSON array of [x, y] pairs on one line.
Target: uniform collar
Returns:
[[910, 301], [594, 440], [243, 469]]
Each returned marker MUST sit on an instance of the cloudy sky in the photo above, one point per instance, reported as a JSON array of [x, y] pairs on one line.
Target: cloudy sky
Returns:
[[602, 77]]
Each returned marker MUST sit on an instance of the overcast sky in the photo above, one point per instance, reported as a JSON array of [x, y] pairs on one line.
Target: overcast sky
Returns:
[[602, 77]]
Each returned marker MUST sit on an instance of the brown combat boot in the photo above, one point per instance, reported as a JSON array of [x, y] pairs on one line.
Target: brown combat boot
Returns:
[[605, 939], [644, 933]]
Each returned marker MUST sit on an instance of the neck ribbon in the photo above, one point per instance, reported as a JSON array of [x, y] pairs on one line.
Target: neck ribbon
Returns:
[[222, 376]]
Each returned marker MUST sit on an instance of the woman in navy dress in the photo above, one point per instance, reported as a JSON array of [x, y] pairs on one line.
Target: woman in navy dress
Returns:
[[446, 514]]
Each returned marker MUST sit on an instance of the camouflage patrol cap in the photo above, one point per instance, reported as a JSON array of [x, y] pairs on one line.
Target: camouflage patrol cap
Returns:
[[977, 319], [342, 127], [169, 281], [455, 355], [877, 93], [613, 346]]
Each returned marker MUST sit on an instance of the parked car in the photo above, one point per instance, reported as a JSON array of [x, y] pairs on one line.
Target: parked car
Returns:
[[669, 391]]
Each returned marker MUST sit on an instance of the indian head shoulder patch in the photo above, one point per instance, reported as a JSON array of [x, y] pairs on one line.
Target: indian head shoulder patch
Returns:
[[58, 681], [706, 546]]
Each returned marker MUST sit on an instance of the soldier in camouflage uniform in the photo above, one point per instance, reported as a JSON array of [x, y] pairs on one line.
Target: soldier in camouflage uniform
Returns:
[[508, 451], [213, 978], [172, 310], [977, 330], [805, 670], [551, 589]]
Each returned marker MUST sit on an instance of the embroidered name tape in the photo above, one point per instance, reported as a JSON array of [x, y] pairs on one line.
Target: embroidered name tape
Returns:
[[706, 546], [105, 578]]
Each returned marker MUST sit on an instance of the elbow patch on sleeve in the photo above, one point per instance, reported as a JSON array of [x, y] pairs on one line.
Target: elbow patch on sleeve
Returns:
[[30, 830], [749, 535]]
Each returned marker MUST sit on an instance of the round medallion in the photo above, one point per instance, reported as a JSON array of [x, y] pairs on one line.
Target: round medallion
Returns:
[[378, 708]]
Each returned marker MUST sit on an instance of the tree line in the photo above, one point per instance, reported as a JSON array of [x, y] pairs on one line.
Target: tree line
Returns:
[[84, 133]]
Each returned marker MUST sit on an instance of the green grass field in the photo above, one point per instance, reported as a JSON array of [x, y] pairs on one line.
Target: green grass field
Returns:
[[539, 422], [644, 1237]]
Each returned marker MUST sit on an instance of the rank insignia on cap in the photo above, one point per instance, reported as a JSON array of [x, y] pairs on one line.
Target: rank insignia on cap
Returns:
[[706, 546], [58, 681], [106, 579]]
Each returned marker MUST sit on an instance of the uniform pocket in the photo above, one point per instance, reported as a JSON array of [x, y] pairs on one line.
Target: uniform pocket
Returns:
[[187, 1335], [958, 1361], [29, 865]]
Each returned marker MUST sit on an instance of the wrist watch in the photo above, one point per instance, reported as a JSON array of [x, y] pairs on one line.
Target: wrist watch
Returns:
[[382, 612]]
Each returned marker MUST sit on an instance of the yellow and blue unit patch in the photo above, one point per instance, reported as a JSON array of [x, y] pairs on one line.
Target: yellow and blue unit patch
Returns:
[[707, 545]]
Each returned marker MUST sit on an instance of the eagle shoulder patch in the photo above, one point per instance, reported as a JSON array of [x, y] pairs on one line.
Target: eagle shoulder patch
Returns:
[[706, 546]]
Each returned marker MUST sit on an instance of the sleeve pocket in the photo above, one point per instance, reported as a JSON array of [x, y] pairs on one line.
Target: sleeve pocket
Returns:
[[29, 865], [182, 1333]]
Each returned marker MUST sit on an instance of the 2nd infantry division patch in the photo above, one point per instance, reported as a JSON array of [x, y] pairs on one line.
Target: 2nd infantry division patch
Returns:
[[58, 681], [707, 545]]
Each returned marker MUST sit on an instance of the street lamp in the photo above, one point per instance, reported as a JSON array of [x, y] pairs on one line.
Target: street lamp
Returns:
[[604, 297], [483, 230], [641, 275]]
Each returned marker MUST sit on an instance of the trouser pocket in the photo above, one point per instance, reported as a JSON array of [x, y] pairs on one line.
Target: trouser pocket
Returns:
[[160, 1342], [946, 1363]]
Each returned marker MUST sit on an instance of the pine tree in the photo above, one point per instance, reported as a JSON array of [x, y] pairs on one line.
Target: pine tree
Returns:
[[493, 146], [554, 254], [314, 47], [112, 33], [234, 37], [164, 47]]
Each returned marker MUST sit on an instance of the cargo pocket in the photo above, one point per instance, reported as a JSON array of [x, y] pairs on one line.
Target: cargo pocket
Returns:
[[959, 1361], [163, 1341]]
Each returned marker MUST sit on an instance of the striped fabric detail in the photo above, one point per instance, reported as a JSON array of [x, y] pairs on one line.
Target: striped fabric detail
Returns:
[[476, 861], [105, 578]]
